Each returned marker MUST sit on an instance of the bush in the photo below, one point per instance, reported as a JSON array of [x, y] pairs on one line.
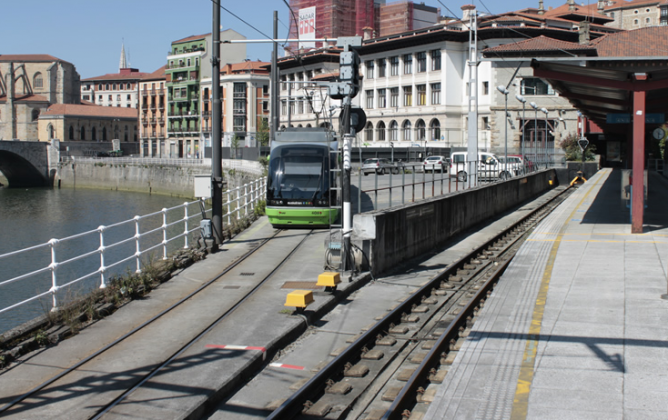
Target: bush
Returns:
[[572, 149]]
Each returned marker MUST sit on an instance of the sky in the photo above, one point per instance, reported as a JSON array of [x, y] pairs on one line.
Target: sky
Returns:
[[90, 33]]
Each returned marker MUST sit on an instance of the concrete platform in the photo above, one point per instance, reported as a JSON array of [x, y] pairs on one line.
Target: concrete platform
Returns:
[[576, 328]]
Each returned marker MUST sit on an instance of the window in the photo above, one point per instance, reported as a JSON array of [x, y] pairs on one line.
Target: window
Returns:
[[114, 86], [128, 86], [421, 62], [421, 94], [394, 97], [420, 130], [110, 98], [648, 20], [99, 98], [35, 114], [408, 63], [408, 95], [435, 93], [128, 97], [485, 88], [485, 123], [368, 132], [380, 131], [300, 107], [83, 133], [407, 131], [369, 69], [612, 15], [381, 67], [118, 97], [394, 131], [369, 99], [382, 100], [535, 86], [99, 87], [284, 108], [37, 81], [71, 133], [435, 128], [394, 66], [635, 21], [106, 87], [435, 60], [284, 86]]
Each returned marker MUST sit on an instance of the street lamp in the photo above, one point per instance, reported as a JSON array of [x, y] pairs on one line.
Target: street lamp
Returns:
[[524, 101], [535, 130], [505, 92], [543, 110]]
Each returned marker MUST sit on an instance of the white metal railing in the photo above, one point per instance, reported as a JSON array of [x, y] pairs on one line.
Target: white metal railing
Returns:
[[113, 249], [138, 160]]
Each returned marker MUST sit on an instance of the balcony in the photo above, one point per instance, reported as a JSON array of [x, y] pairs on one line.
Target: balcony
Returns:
[[153, 107], [206, 114], [161, 121]]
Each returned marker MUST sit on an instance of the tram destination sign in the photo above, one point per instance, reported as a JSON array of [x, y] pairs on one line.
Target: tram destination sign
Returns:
[[626, 118]]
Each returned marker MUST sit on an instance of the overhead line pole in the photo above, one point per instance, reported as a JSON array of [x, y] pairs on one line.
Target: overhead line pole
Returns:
[[274, 82], [216, 158]]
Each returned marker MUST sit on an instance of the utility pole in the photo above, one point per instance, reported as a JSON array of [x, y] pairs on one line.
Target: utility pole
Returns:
[[273, 126], [216, 159], [472, 145]]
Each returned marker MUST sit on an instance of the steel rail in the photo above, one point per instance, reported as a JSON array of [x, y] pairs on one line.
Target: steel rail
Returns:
[[133, 331], [104, 410], [294, 405]]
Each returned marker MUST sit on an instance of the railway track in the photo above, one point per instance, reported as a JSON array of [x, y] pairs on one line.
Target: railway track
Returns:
[[390, 370], [127, 379]]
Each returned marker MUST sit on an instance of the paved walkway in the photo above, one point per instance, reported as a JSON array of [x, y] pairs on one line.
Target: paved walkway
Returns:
[[576, 328]]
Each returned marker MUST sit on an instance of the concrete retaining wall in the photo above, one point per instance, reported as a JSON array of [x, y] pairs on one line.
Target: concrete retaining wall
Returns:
[[170, 180], [389, 237]]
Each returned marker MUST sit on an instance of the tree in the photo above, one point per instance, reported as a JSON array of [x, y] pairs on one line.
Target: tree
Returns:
[[262, 134], [573, 151], [235, 145]]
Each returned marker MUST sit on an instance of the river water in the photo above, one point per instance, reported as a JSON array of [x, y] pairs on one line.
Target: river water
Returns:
[[33, 216]]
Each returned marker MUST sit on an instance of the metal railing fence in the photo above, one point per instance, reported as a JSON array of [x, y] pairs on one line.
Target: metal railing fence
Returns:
[[417, 184], [90, 259]]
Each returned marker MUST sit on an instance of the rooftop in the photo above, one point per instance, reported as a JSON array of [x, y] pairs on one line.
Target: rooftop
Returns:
[[91, 111]]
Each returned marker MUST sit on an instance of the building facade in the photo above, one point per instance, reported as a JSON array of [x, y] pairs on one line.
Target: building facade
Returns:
[[115, 89], [70, 122], [29, 84], [153, 116], [187, 64], [245, 104], [415, 87]]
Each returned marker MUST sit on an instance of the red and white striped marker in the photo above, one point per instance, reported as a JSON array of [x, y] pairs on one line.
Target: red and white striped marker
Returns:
[[284, 366], [234, 347]]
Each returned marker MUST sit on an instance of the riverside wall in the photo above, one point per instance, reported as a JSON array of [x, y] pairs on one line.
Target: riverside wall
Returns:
[[164, 179]]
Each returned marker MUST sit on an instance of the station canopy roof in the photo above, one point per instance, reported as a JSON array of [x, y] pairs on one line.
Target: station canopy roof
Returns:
[[599, 77]]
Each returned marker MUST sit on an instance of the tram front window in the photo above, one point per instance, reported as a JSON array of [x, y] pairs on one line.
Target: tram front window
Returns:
[[297, 174]]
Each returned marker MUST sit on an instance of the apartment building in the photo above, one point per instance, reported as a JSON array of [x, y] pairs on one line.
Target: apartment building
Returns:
[[187, 64], [153, 116]]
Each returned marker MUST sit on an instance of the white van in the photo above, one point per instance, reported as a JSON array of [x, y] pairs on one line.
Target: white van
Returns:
[[489, 167]]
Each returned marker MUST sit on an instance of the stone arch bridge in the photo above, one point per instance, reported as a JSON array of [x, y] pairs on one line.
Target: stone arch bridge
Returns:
[[29, 163]]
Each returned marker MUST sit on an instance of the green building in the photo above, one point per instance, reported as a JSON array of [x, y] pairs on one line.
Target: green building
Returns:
[[188, 62]]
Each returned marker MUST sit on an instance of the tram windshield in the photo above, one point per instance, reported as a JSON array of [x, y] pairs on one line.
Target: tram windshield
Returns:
[[299, 173]]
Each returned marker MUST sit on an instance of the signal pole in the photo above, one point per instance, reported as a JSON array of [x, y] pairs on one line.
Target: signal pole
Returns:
[[346, 89], [216, 155]]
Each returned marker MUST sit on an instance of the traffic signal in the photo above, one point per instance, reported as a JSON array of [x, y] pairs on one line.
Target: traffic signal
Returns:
[[349, 63]]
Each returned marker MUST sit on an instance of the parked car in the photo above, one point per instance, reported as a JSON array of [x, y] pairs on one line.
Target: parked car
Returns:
[[380, 166], [515, 164], [436, 163], [488, 167]]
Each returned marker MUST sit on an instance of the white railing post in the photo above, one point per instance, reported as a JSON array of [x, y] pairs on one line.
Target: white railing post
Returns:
[[229, 208], [164, 234], [246, 199], [137, 247], [238, 202], [103, 282], [54, 277], [185, 225]]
